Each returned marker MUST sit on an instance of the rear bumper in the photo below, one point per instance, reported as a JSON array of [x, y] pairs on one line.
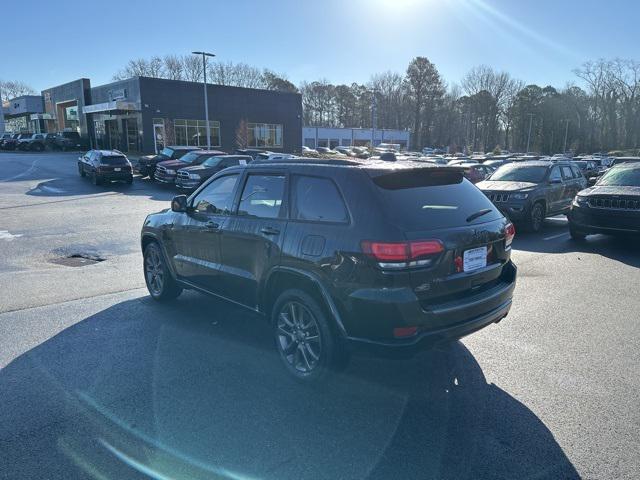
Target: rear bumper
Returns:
[[116, 176], [452, 319]]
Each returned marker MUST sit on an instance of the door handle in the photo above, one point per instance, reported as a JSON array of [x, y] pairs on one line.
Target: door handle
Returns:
[[270, 231]]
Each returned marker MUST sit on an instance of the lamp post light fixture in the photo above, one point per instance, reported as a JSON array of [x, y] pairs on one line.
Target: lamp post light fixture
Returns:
[[206, 99]]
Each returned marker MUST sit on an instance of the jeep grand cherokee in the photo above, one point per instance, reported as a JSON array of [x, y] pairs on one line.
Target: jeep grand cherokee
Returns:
[[338, 254]]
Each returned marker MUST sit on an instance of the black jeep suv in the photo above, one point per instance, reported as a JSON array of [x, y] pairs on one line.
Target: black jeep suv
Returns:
[[103, 166], [147, 164], [338, 254], [611, 207], [527, 192]]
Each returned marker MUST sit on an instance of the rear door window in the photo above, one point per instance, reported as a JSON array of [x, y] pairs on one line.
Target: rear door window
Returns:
[[432, 198], [317, 199], [262, 196], [567, 174]]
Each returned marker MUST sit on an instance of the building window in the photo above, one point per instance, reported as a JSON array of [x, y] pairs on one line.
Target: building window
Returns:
[[265, 135], [310, 142], [194, 132]]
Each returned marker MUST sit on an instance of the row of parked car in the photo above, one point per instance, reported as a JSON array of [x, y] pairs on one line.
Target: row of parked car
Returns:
[[39, 142]]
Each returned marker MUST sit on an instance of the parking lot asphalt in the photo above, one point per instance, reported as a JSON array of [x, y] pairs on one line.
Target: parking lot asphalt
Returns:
[[99, 381]]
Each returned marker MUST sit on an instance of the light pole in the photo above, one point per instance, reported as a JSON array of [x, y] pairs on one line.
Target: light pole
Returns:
[[566, 133], [206, 100], [529, 136]]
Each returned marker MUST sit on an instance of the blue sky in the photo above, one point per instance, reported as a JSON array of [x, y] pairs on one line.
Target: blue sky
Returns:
[[538, 41]]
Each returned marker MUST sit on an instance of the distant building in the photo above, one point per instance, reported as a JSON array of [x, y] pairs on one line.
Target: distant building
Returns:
[[141, 114], [313, 137]]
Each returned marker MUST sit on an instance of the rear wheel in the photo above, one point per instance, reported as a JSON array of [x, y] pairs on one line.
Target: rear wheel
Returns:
[[130, 180], [95, 179], [305, 339], [160, 283]]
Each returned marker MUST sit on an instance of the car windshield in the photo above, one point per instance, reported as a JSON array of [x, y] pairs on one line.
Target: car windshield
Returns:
[[211, 162], [167, 152], [520, 173], [621, 177], [190, 157], [113, 160]]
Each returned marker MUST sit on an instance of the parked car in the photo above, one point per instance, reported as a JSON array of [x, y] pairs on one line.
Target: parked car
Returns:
[[459, 161], [344, 150], [611, 207], [146, 166], [589, 169], [36, 143], [167, 170], [270, 156], [13, 142], [475, 172], [5, 136], [103, 166], [190, 178], [527, 192], [325, 151], [361, 152], [300, 244], [306, 149], [252, 152], [68, 140], [495, 163]]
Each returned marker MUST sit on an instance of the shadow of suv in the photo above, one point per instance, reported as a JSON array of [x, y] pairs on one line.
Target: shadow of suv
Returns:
[[339, 254]]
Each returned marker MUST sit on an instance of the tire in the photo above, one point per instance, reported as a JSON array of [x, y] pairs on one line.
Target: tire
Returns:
[[81, 171], [95, 179], [160, 283], [577, 235], [536, 218], [305, 338], [38, 147], [130, 181]]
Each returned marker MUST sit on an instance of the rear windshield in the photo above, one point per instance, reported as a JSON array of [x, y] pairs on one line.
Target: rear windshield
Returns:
[[113, 160], [417, 200], [520, 173]]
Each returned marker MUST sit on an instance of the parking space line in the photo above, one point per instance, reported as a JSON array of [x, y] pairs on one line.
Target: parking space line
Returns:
[[553, 237]]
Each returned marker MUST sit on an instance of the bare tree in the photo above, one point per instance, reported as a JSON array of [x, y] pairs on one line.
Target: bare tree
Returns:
[[173, 67], [192, 66], [11, 89]]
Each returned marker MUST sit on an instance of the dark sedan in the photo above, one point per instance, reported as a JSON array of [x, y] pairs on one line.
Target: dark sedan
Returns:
[[612, 206]]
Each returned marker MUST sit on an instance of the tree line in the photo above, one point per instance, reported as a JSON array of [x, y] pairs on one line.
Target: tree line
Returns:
[[488, 110]]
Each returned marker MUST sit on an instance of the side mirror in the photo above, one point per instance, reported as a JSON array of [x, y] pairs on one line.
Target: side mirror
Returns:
[[179, 204]]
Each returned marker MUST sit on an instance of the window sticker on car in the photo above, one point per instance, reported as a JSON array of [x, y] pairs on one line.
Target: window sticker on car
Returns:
[[243, 162]]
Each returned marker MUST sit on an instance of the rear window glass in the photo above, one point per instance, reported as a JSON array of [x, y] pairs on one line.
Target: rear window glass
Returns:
[[431, 200], [317, 199], [113, 160]]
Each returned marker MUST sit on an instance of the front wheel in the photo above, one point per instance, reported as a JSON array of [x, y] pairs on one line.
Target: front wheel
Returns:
[[305, 339], [95, 180], [536, 218], [81, 171], [576, 235], [160, 283]]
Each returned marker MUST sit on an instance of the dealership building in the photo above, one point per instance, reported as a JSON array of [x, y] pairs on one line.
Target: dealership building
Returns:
[[313, 137], [144, 114]]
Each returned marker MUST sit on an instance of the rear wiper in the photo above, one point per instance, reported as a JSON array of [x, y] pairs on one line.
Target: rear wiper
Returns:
[[478, 214]]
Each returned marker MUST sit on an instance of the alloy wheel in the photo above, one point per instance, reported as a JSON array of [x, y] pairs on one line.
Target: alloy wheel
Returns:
[[154, 272], [298, 337]]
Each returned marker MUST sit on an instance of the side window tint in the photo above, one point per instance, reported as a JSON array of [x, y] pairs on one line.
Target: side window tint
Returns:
[[317, 199], [262, 196], [576, 171], [555, 174], [217, 197], [567, 174]]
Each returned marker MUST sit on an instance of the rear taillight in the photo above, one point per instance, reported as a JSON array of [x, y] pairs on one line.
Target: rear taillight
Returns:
[[509, 233], [403, 254], [403, 332]]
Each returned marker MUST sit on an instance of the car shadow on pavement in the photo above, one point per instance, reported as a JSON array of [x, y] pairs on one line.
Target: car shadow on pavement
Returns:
[[195, 390], [65, 187]]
